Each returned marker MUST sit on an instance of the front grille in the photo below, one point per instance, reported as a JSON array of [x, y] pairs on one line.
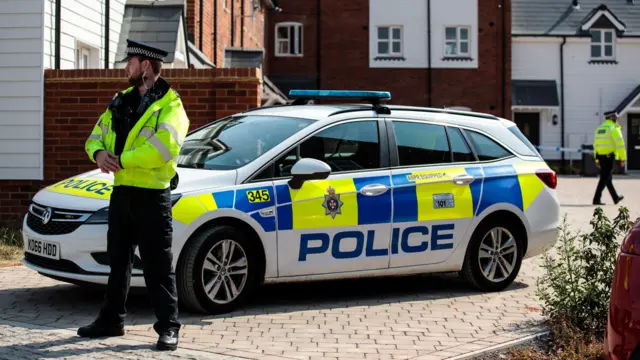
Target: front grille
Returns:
[[54, 221], [57, 265]]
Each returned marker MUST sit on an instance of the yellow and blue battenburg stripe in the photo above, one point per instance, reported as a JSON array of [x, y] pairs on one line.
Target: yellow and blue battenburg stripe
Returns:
[[410, 199], [189, 208], [413, 194], [303, 209], [249, 200]]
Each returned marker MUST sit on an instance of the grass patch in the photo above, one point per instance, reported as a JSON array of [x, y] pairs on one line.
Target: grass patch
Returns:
[[10, 247]]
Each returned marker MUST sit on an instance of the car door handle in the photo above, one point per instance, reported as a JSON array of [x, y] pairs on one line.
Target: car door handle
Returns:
[[463, 179], [373, 190]]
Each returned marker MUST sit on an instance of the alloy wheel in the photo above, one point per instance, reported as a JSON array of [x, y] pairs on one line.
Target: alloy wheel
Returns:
[[498, 254], [224, 271]]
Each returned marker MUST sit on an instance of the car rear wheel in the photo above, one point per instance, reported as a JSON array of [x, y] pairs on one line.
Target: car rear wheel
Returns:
[[494, 256], [219, 270]]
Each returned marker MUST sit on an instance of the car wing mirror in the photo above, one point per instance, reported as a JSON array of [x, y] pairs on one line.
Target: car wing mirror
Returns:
[[308, 169]]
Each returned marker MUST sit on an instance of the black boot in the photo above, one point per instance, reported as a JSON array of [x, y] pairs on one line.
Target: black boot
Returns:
[[597, 202], [620, 198], [100, 329], [168, 340]]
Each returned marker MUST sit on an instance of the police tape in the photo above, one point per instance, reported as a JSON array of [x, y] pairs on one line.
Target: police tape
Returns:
[[561, 149]]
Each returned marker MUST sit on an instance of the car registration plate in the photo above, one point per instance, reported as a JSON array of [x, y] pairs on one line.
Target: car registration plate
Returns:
[[43, 248]]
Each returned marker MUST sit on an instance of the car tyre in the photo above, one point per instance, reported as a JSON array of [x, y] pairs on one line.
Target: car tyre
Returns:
[[482, 252], [203, 268]]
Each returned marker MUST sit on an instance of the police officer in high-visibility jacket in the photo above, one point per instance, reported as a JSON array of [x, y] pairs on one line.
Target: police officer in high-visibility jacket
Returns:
[[138, 138], [608, 147]]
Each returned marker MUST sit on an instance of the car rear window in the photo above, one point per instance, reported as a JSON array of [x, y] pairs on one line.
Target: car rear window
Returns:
[[516, 131]]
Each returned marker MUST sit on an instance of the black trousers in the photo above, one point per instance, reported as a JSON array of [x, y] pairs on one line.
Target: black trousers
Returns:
[[141, 217], [607, 165]]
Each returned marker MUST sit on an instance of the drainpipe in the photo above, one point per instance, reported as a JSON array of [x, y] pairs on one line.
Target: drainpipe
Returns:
[[562, 121], [57, 33], [107, 21], [186, 40], [201, 23], [242, 24], [429, 72], [233, 22], [215, 33], [318, 47], [504, 61]]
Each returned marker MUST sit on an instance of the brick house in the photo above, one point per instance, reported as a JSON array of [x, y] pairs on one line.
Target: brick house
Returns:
[[53, 34], [46, 115], [439, 53]]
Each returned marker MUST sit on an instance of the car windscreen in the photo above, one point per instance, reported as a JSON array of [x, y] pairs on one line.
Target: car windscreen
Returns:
[[233, 142], [516, 131]]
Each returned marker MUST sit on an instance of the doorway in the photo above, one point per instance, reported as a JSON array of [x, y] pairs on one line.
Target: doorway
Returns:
[[529, 125], [633, 142]]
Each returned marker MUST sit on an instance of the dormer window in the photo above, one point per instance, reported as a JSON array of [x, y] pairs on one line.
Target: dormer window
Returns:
[[602, 44]]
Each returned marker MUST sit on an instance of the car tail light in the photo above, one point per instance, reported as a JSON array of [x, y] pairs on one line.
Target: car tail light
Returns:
[[548, 177], [631, 242]]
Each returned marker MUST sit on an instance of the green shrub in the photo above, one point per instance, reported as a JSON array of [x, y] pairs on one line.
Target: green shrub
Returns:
[[575, 287]]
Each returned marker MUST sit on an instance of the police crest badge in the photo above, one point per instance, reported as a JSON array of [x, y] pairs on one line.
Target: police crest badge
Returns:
[[332, 203]]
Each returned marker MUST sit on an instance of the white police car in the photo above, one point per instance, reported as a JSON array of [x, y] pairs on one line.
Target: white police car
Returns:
[[302, 192]]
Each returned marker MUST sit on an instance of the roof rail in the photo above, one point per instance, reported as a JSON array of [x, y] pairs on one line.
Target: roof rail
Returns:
[[421, 109], [302, 97], [448, 111]]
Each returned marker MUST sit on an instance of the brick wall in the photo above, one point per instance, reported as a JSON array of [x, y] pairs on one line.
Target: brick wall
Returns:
[[75, 99], [221, 32], [344, 58], [482, 87], [306, 13]]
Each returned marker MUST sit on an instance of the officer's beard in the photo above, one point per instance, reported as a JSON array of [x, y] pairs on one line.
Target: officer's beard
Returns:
[[137, 80]]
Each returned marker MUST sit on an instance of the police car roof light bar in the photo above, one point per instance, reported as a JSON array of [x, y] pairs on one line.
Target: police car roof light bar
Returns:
[[374, 97]]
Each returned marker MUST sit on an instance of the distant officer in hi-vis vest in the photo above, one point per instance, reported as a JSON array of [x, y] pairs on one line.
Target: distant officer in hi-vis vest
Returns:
[[138, 138], [609, 148]]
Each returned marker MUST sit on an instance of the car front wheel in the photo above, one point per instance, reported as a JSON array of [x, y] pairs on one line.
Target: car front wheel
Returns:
[[218, 271], [494, 256]]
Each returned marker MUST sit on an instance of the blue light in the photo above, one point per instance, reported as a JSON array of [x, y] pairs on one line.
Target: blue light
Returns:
[[378, 95]]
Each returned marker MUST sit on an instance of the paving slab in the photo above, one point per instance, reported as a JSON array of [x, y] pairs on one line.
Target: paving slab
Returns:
[[414, 317]]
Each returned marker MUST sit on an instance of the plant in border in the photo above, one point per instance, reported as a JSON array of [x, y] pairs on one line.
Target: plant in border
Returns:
[[575, 287]]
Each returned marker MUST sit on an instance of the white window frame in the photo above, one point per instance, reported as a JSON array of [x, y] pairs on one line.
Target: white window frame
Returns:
[[602, 43], [87, 56], [390, 40], [457, 41], [83, 58], [298, 38]]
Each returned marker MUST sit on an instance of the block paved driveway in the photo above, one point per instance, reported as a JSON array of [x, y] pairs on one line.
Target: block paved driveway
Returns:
[[417, 317]]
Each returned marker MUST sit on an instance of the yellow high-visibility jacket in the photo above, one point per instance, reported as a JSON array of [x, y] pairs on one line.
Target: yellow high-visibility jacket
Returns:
[[608, 139], [148, 159]]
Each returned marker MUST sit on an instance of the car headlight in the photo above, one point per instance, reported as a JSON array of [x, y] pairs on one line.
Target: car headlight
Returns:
[[102, 216], [99, 217]]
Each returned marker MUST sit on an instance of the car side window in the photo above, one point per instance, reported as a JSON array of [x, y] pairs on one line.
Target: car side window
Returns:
[[459, 147], [344, 147], [421, 143], [486, 149]]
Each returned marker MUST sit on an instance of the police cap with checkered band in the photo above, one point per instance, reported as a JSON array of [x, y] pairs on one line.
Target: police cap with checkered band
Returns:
[[136, 48]]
